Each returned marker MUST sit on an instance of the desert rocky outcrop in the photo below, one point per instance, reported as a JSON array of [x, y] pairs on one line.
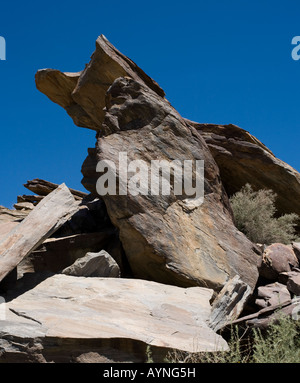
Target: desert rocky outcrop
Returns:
[[101, 278], [164, 238]]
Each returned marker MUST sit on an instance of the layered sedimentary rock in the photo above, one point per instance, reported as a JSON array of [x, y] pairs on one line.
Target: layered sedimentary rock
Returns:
[[82, 94], [44, 220], [242, 159], [166, 238], [66, 317]]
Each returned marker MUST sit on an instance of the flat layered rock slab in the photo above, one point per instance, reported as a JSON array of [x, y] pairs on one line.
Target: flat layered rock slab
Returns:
[[40, 224], [43, 188], [78, 308]]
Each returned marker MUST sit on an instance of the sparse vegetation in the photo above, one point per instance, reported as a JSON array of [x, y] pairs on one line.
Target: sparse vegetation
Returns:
[[254, 216], [279, 344]]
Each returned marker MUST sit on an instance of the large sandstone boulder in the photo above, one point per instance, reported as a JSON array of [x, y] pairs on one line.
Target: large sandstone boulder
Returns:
[[242, 159], [171, 239], [66, 317]]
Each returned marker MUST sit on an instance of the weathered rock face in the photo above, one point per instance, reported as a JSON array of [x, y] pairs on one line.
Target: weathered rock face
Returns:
[[99, 264], [242, 159], [44, 220], [272, 294], [55, 254], [64, 317], [165, 239], [276, 259], [229, 303], [82, 94], [296, 248], [293, 284]]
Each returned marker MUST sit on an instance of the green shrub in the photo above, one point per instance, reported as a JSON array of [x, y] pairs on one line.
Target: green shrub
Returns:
[[254, 216], [279, 344]]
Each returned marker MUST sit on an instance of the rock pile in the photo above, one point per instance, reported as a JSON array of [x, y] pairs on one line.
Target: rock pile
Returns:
[[90, 278], [278, 287]]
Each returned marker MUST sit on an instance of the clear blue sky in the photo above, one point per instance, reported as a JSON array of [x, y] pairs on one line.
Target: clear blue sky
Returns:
[[218, 61]]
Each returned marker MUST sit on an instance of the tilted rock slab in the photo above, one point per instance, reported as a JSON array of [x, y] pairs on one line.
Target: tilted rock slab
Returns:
[[43, 188], [165, 238], [50, 214], [68, 310], [229, 303], [82, 94], [242, 159]]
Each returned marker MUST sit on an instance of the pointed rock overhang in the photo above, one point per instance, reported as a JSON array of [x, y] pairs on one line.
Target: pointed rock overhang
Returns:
[[82, 94]]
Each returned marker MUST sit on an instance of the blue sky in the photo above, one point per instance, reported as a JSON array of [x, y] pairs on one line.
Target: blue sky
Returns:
[[218, 61]]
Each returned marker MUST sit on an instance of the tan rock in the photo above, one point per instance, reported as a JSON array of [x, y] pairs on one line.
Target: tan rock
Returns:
[[83, 94], [113, 312], [9, 215], [41, 222], [24, 206], [94, 265]]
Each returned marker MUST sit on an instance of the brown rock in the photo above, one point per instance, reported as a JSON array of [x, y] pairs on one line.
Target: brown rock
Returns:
[[163, 238], [34, 199], [88, 170], [296, 248], [43, 188], [283, 277], [55, 254], [293, 284], [83, 94], [9, 219], [170, 239], [264, 317], [276, 259], [9, 215], [272, 294], [242, 159]]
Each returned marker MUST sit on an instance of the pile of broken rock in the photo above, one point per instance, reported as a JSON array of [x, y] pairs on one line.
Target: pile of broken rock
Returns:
[[90, 279]]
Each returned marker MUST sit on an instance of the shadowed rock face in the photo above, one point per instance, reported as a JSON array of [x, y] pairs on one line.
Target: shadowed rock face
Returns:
[[165, 238], [242, 159]]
